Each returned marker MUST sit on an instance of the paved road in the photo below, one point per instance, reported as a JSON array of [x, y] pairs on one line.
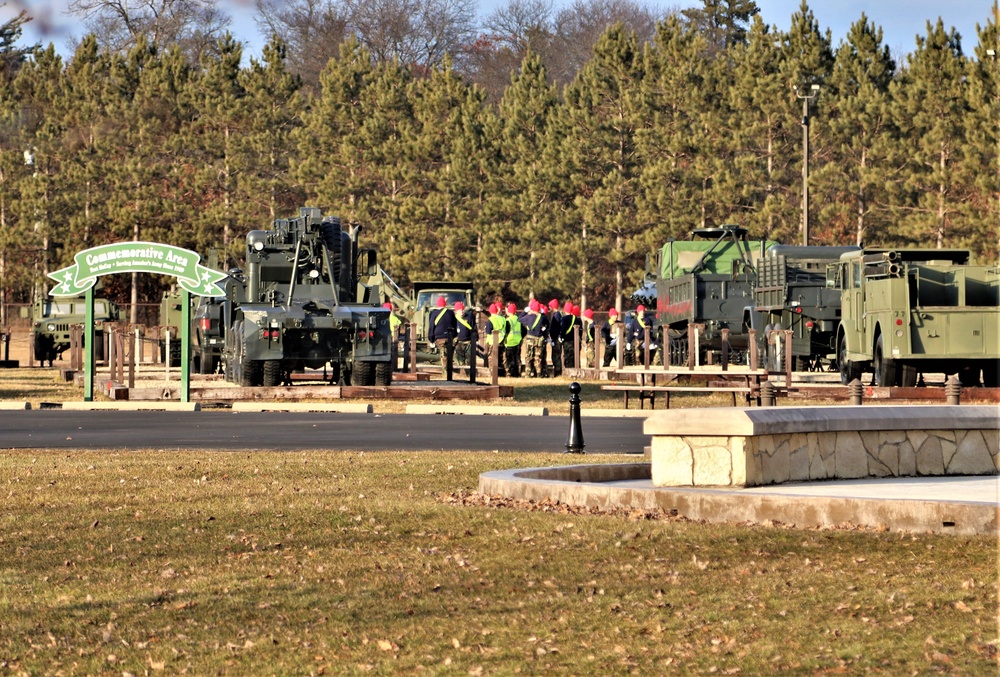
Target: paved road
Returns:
[[291, 431]]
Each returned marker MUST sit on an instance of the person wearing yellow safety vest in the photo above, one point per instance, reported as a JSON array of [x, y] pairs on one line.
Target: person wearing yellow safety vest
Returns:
[[395, 322], [465, 320], [555, 347], [495, 323], [536, 334], [442, 333], [512, 344], [644, 320]]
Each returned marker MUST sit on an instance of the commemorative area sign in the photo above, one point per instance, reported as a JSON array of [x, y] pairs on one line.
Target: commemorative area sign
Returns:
[[137, 257]]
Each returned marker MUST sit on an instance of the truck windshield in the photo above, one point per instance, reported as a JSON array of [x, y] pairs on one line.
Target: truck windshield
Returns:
[[429, 298]]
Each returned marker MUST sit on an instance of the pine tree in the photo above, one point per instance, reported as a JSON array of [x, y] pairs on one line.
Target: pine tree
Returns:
[[722, 23], [678, 139], [980, 166], [851, 182], [600, 241], [931, 109], [517, 200]]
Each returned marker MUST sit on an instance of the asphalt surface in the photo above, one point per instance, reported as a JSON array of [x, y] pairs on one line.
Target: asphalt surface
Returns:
[[286, 431]]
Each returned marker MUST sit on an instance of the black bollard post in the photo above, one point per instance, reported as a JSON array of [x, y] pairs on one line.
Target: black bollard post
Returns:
[[953, 390], [767, 398], [574, 443], [856, 390]]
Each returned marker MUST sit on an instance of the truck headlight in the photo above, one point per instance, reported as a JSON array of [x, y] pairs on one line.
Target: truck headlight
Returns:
[[50, 327]]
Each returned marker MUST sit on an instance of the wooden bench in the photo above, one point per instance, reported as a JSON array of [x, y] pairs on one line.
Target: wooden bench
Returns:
[[750, 392]]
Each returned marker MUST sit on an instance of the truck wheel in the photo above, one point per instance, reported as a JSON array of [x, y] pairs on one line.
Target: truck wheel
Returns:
[[849, 371], [885, 369], [272, 373], [361, 374], [969, 377], [253, 372], [383, 374]]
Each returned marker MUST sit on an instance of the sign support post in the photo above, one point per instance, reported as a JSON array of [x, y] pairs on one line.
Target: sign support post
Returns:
[[88, 347], [185, 337]]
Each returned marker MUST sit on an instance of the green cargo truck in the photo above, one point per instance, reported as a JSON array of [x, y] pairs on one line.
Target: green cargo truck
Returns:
[[52, 318], [910, 311]]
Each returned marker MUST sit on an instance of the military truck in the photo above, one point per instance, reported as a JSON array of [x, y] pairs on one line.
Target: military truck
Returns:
[[207, 337], [707, 280], [170, 324], [910, 311], [299, 305], [790, 293], [52, 317]]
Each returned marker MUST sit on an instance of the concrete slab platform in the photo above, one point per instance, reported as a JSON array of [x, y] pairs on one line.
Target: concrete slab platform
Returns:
[[955, 505]]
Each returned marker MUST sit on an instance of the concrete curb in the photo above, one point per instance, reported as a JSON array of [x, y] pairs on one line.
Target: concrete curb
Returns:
[[131, 406], [473, 410], [617, 413], [321, 407], [14, 406]]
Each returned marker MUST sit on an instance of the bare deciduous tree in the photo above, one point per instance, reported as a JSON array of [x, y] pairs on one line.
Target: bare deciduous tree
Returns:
[[312, 31], [193, 25], [578, 27]]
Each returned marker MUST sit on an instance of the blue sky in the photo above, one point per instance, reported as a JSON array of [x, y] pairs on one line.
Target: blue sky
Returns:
[[900, 20]]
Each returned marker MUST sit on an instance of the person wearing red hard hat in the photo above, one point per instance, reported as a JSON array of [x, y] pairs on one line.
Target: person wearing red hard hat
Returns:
[[512, 344], [536, 331], [567, 336], [640, 327], [496, 324], [554, 341], [610, 332], [442, 334], [465, 331]]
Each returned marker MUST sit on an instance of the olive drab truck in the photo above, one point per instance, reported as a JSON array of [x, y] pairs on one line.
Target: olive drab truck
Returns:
[[299, 304], [52, 318], [791, 294], [707, 280], [905, 312]]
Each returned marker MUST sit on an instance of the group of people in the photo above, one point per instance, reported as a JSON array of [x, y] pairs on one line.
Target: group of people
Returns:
[[529, 339]]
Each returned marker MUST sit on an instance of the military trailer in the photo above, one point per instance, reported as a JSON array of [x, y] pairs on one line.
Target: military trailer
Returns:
[[910, 311], [52, 318], [706, 280], [299, 305], [790, 294]]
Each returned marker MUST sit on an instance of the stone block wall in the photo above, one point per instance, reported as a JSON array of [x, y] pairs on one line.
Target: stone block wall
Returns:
[[754, 447]]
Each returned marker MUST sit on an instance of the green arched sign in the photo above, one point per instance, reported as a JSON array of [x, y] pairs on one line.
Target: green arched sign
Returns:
[[137, 257]]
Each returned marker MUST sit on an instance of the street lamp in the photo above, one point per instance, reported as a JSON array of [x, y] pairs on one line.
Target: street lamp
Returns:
[[808, 96]]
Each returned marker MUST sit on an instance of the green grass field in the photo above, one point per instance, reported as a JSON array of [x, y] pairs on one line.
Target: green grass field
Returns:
[[346, 563]]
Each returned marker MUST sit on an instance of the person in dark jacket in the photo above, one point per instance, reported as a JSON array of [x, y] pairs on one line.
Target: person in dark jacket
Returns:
[[442, 333], [465, 326], [555, 346], [567, 333], [609, 332], [536, 332]]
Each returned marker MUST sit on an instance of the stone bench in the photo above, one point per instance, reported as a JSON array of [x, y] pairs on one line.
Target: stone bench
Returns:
[[755, 447]]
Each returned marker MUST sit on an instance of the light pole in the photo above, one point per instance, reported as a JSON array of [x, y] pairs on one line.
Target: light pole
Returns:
[[809, 95]]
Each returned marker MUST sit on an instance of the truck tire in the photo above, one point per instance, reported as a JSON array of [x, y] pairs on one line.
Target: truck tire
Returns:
[[272, 373], [969, 377], [849, 371], [885, 369], [253, 372], [361, 374], [383, 374]]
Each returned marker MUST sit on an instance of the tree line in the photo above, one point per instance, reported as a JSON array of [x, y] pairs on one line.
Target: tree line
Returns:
[[551, 187]]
